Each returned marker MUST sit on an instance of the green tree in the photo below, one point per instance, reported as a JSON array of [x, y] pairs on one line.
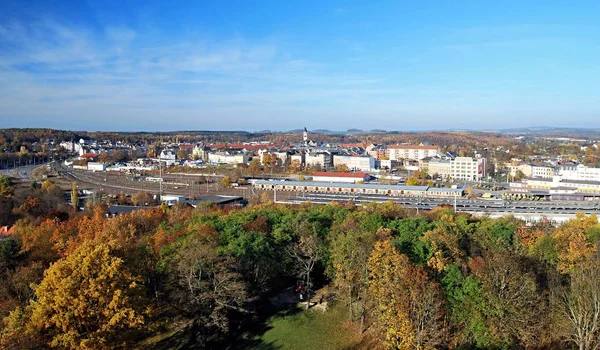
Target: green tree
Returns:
[[350, 252], [6, 188], [206, 283]]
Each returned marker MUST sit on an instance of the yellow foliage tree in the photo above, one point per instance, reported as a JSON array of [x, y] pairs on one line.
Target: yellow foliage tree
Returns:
[[412, 181], [86, 300], [410, 307], [572, 244]]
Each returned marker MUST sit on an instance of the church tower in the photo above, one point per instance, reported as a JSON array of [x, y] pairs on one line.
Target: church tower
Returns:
[[305, 136]]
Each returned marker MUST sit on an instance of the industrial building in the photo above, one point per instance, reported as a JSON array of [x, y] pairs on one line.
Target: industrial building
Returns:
[[345, 188]]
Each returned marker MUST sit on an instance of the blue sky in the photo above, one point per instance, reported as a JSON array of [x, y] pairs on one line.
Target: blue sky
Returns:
[[280, 65]]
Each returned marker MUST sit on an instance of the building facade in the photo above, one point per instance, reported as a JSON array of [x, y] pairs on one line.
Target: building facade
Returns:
[[400, 152], [320, 159], [226, 158], [467, 168], [542, 171], [355, 163]]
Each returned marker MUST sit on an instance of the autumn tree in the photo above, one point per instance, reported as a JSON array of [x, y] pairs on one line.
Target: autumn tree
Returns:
[[572, 241], [88, 300], [269, 160], [412, 181], [410, 307], [341, 167], [513, 304], [143, 198], [225, 181], [103, 157], [74, 195], [295, 166], [254, 167], [350, 252]]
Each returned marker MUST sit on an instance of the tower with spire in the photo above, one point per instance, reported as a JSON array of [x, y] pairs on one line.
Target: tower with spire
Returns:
[[305, 136]]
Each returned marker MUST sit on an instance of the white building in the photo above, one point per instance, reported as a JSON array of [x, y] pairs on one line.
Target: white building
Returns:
[[542, 171], [579, 173], [321, 159], [226, 158], [168, 156], [399, 152], [467, 168], [337, 176], [514, 168], [95, 166], [355, 163], [388, 164]]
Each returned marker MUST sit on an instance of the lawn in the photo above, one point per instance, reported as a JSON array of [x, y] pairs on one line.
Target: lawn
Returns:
[[309, 329]]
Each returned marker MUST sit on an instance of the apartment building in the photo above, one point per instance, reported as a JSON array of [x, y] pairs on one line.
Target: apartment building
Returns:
[[319, 159], [514, 168], [542, 171], [441, 167], [227, 158], [579, 172], [467, 168], [400, 152], [355, 163]]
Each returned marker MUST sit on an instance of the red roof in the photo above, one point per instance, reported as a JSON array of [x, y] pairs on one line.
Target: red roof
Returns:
[[89, 155], [360, 175], [244, 146], [5, 230], [186, 146]]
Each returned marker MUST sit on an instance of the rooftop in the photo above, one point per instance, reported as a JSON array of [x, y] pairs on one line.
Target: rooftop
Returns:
[[358, 175], [367, 186]]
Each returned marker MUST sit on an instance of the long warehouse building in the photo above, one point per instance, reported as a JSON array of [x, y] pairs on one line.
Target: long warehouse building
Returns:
[[327, 187]]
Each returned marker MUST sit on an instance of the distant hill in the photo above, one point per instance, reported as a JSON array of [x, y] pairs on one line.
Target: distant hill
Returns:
[[323, 131], [548, 130]]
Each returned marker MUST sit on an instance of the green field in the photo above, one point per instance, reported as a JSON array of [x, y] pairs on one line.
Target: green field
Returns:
[[309, 329]]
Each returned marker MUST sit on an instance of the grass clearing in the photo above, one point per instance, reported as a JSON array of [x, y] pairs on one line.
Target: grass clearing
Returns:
[[310, 329]]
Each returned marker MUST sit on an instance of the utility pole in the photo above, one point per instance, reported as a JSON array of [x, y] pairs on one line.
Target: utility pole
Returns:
[[161, 179], [455, 196]]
